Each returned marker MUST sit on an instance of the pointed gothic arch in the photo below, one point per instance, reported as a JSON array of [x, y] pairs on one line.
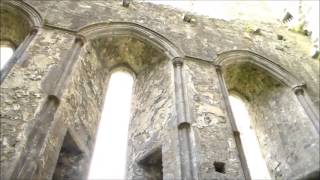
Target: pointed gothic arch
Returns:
[[19, 24], [240, 56], [274, 97], [128, 28]]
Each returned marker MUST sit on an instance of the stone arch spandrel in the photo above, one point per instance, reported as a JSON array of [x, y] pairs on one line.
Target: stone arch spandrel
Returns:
[[236, 56], [33, 15], [299, 87], [213, 134], [128, 28], [148, 56], [19, 25], [28, 18], [281, 119]]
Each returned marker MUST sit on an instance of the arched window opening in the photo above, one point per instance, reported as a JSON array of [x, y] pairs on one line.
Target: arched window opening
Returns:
[[275, 111], [256, 164], [6, 52], [18, 27], [109, 155]]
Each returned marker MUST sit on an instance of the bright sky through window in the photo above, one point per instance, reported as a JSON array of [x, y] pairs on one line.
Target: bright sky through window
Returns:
[[257, 165], [109, 157], [5, 55]]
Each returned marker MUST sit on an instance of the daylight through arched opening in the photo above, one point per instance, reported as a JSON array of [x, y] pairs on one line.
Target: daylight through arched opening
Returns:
[[151, 103], [6, 52], [18, 27], [276, 117], [256, 164], [109, 155]]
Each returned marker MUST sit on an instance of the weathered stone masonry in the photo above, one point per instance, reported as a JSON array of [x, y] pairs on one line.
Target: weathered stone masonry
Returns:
[[181, 125]]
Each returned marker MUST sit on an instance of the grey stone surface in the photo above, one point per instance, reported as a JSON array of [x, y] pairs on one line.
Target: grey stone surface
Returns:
[[278, 120], [33, 132]]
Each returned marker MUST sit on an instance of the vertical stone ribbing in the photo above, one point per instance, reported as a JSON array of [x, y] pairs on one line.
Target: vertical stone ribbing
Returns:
[[27, 163], [55, 85], [187, 162], [234, 128], [18, 54], [306, 103]]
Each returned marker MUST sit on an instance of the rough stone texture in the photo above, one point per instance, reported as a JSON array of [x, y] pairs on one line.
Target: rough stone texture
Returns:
[[282, 127], [151, 112], [14, 25], [69, 159], [211, 125], [198, 40], [21, 93], [285, 131], [284, 134], [80, 109]]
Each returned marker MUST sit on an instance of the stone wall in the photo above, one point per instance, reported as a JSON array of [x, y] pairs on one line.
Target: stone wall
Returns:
[[204, 39], [284, 131], [21, 92], [15, 26], [214, 137], [285, 134], [152, 110], [35, 116]]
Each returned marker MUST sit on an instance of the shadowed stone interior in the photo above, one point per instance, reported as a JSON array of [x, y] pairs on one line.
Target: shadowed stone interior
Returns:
[[248, 80], [152, 164], [116, 51], [69, 161], [15, 26]]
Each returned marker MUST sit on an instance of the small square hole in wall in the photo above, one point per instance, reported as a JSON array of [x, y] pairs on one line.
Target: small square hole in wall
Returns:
[[152, 165], [220, 167]]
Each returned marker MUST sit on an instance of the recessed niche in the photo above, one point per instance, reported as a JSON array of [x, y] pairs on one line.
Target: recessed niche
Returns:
[[220, 167], [69, 161], [152, 165]]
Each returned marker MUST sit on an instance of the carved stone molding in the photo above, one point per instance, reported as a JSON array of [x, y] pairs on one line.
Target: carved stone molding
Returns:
[[131, 29], [35, 19], [237, 56]]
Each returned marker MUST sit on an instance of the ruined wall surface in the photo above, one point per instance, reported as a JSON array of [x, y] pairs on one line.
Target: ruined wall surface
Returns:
[[286, 135], [152, 111], [214, 137], [204, 39], [154, 114], [21, 93], [14, 25], [78, 114]]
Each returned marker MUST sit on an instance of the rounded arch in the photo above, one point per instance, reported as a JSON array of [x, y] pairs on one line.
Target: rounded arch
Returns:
[[123, 67], [235, 56], [94, 31]]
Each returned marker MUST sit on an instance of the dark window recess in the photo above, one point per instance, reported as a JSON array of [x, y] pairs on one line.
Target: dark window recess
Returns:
[[220, 167], [69, 162], [152, 165]]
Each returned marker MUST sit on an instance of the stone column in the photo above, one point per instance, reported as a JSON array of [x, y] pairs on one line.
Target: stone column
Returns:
[[307, 105], [187, 160], [235, 130], [17, 56], [56, 80], [26, 166]]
